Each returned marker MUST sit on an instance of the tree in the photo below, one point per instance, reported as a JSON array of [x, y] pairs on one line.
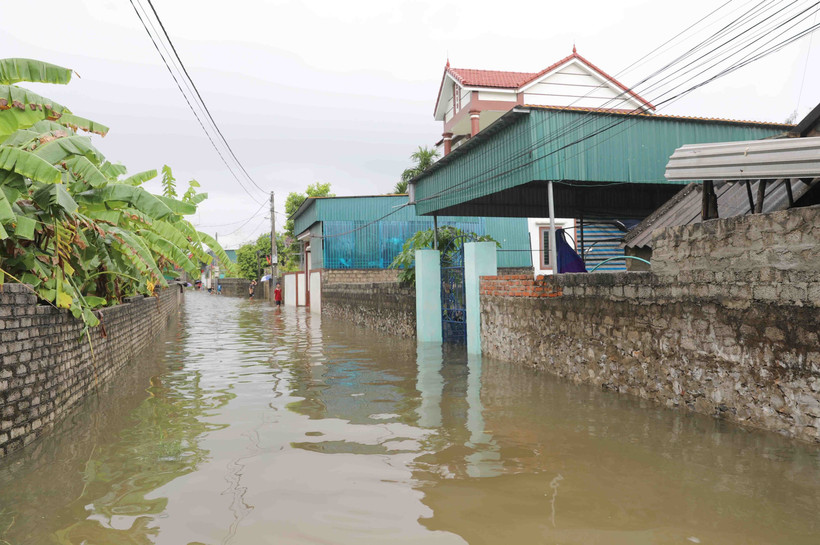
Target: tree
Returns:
[[424, 158], [295, 200], [406, 260], [72, 226], [286, 244], [246, 256]]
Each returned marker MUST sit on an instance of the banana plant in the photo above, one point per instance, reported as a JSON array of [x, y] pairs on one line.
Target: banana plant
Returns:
[[74, 226]]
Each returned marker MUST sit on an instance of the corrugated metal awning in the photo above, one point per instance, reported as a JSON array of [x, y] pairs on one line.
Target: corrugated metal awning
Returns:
[[747, 160]]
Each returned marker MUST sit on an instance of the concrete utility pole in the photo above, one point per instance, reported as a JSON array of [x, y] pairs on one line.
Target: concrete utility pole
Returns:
[[274, 254]]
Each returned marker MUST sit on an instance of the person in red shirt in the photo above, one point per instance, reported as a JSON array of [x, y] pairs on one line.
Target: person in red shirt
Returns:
[[277, 295]]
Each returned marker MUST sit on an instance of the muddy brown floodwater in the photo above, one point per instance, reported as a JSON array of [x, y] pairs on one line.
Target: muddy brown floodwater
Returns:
[[250, 425]]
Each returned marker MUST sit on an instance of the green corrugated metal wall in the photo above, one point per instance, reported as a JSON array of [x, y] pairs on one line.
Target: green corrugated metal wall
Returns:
[[514, 237], [510, 232], [634, 150]]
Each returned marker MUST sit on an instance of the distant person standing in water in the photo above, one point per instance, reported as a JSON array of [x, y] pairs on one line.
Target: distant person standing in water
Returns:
[[277, 295], [251, 289]]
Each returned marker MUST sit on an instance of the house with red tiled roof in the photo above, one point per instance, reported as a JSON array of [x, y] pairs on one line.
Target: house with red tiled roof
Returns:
[[470, 100]]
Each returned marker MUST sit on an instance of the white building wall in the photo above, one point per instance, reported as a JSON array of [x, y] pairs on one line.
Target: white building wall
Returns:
[[497, 96], [315, 292], [290, 290], [576, 85], [534, 226], [301, 289]]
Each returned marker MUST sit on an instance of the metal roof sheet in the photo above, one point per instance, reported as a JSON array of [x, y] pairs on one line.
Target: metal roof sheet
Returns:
[[747, 160], [560, 144], [733, 200]]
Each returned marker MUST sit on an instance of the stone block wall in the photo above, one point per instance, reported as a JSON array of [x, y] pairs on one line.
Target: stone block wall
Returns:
[[359, 276], [731, 332], [386, 307], [46, 367]]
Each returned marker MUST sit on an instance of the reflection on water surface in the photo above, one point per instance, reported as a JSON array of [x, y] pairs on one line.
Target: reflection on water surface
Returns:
[[251, 425]]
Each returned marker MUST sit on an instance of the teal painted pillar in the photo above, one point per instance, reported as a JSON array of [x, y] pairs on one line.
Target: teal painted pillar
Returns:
[[430, 384], [428, 296], [480, 259]]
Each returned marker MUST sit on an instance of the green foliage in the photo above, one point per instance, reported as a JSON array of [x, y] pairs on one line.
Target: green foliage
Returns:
[[169, 183], [246, 257], [295, 200], [406, 260], [74, 230], [423, 159]]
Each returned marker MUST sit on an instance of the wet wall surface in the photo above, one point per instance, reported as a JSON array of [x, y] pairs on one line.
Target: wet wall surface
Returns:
[[247, 424]]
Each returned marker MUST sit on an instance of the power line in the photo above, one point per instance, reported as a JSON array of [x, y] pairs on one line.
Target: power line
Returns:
[[247, 220], [199, 96], [185, 96], [623, 117]]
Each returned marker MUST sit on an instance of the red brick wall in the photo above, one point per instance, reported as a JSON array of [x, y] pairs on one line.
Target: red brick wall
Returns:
[[519, 285]]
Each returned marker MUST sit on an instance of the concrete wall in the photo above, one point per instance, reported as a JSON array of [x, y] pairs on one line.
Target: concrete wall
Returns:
[[46, 367], [386, 307], [726, 324], [235, 287]]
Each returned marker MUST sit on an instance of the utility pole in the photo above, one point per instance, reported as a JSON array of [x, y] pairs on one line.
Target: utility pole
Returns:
[[274, 255]]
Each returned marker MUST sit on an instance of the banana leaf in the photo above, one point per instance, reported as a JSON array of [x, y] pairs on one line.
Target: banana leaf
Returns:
[[140, 178], [220, 254], [170, 251], [25, 227], [6, 213], [49, 196], [29, 165], [76, 122], [137, 197], [179, 207], [85, 171], [61, 149], [112, 171], [15, 70]]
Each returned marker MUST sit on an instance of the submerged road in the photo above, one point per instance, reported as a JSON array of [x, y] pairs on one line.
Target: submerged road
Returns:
[[252, 425]]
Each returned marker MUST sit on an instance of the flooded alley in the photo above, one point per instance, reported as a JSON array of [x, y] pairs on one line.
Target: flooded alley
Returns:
[[249, 424]]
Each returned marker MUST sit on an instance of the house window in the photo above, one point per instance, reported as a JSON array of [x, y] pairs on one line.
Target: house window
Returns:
[[545, 247], [456, 98]]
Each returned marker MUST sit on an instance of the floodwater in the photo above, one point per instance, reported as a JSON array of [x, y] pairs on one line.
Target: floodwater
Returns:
[[250, 425]]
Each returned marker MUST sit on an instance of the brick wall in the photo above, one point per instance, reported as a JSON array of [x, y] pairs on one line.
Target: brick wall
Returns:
[[46, 368], [387, 307], [721, 326]]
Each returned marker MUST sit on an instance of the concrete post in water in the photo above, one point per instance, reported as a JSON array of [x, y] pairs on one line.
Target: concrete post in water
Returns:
[[480, 259], [428, 296], [429, 383]]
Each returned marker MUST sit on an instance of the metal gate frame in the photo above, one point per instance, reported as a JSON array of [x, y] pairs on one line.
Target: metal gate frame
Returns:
[[453, 297]]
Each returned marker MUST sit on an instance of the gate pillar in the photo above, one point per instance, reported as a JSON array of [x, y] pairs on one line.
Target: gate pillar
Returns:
[[428, 296], [480, 259]]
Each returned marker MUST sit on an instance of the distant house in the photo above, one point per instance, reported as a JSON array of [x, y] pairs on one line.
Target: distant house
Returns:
[[470, 100], [358, 237], [747, 177]]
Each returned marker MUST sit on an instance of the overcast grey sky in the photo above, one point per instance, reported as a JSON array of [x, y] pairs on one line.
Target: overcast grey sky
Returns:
[[343, 92]]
